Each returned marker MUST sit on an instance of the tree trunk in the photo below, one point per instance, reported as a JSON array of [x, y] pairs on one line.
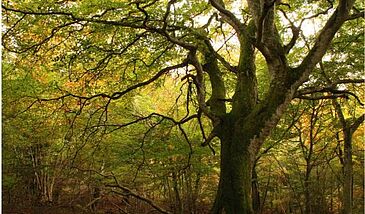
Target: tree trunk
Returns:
[[235, 184], [256, 202], [243, 130], [347, 185], [178, 204], [348, 130], [307, 194]]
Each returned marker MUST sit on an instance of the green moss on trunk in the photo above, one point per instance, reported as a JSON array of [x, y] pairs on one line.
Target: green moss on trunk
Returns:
[[234, 191]]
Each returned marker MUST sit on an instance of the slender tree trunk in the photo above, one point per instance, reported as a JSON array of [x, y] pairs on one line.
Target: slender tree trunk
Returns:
[[307, 193], [347, 186], [189, 191], [178, 203], [196, 192], [256, 202], [348, 129]]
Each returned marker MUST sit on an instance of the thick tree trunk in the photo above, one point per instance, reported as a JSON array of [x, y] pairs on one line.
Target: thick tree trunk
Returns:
[[244, 129], [234, 192], [235, 184]]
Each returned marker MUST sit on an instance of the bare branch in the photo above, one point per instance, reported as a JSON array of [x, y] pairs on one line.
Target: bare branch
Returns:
[[325, 37], [117, 95], [345, 81], [37, 46], [146, 16], [331, 89], [209, 138], [335, 96], [318, 14], [357, 123], [295, 32], [228, 16], [199, 83], [188, 46], [122, 23], [220, 58], [59, 13], [127, 191], [13, 26], [168, 8], [265, 11], [356, 15], [115, 127]]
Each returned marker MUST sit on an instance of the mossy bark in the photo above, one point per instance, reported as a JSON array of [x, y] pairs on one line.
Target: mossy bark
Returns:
[[235, 185], [243, 130], [234, 189]]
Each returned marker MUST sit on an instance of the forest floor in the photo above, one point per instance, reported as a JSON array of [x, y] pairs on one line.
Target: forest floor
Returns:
[[40, 210]]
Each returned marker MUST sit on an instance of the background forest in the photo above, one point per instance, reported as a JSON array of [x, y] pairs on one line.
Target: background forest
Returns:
[[99, 115]]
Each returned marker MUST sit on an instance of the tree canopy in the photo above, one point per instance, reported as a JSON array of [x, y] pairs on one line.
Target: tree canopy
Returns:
[[191, 94]]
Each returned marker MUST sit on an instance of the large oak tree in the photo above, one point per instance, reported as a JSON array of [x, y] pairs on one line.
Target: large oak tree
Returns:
[[136, 43]]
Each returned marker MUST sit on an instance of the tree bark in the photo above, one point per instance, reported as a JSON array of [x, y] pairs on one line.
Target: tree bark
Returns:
[[347, 168], [256, 202], [242, 133], [234, 189], [348, 130], [178, 208], [243, 130]]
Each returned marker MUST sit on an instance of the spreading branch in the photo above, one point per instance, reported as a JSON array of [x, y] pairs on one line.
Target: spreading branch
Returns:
[[323, 97], [118, 95], [325, 37], [228, 16], [226, 64], [122, 23], [169, 4], [199, 83], [356, 15], [357, 123], [129, 192], [295, 31], [331, 89], [260, 28]]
